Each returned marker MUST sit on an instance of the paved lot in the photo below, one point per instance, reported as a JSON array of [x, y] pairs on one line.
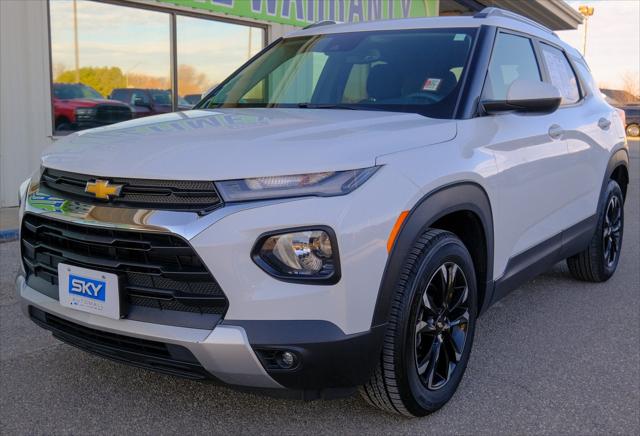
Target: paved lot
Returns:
[[556, 356]]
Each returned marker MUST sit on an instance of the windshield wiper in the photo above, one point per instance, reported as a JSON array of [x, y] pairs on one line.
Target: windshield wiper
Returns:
[[325, 106]]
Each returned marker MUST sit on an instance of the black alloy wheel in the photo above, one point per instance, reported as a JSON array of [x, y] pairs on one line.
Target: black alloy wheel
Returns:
[[442, 325], [430, 330], [599, 260], [612, 231]]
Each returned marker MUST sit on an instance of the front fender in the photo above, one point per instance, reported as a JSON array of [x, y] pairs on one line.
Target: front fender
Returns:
[[463, 196]]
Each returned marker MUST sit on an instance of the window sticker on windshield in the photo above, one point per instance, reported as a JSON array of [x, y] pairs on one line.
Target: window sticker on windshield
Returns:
[[431, 84], [459, 37]]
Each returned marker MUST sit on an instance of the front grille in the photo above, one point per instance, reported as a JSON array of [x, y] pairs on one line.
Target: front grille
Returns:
[[158, 271], [197, 196], [108, 114], [157, 356]]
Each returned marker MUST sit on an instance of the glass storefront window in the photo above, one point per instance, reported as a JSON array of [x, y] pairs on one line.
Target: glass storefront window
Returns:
[[209, 51], [100, 50], [113, 62]]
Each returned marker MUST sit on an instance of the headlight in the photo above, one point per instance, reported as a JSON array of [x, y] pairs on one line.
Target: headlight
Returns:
[[301, 255], [327, 184]]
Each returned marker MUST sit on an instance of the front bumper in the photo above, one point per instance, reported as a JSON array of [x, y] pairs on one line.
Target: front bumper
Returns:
[[224, 352], [331, 363]]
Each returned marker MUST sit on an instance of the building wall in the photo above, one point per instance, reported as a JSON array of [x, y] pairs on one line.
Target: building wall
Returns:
[[25, 99]]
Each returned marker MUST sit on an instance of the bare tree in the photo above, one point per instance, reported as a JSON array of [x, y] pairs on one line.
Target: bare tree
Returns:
[[631, 85], [190, 80], [146, 81]]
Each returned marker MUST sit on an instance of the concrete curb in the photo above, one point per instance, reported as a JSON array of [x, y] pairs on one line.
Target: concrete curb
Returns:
[[8, 235]]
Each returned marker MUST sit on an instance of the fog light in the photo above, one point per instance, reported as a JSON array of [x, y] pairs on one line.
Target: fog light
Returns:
[[287, 360], [304, 254]]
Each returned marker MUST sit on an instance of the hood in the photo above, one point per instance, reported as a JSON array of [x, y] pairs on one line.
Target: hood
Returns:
[[238, 143]]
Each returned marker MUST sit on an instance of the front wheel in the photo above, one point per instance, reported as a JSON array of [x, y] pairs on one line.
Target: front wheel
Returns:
[[430, 330], [63, 126]]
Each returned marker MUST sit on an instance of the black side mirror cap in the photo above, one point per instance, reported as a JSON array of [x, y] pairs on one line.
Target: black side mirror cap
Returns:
[[538, 105]]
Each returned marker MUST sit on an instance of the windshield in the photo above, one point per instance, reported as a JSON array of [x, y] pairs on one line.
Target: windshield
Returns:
[[407, 70], [69, 92]]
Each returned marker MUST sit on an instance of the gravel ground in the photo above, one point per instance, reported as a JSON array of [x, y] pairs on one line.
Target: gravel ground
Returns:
[[555, 356]]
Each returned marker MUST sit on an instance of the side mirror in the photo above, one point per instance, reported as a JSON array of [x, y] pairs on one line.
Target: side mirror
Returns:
[[526, 96]]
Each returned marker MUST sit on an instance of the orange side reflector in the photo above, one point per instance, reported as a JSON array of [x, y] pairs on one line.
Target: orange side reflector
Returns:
[[396, 229]]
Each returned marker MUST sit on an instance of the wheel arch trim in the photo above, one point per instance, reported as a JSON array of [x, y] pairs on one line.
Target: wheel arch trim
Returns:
[[619, 158], [442, 201]]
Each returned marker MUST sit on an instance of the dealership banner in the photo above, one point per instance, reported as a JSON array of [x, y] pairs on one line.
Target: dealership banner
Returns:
[[303, 12]]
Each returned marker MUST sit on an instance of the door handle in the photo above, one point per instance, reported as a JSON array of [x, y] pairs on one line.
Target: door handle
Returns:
[[604, 123], [555, 131]]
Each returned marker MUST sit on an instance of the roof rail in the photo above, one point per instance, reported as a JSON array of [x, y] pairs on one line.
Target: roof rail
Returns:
[[499, 12], [321, 23]]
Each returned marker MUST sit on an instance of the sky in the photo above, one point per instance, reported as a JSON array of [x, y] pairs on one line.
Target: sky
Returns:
[[613, 40]]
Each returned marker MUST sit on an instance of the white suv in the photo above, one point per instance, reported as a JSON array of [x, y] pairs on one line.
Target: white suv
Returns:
[[336, 214]]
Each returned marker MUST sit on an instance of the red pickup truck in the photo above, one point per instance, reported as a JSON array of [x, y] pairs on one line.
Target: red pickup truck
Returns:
[[77, 106]]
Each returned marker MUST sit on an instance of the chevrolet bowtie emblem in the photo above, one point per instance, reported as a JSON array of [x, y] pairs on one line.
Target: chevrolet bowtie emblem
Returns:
[[102, 189]]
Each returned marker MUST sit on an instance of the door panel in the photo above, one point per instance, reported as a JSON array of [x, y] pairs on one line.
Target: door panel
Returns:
[[532, 180], [531, 155], [588, 132], [590, 146]]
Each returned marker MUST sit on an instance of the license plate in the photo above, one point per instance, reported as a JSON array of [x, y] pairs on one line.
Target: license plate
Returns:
[[89, 290]]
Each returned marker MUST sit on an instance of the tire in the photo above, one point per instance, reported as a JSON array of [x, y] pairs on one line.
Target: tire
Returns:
[[405, 381], [63, 126], [633, 130], [599, 261]]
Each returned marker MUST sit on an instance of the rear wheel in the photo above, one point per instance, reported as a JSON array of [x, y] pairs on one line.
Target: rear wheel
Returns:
[[599, 261], [430, 331]]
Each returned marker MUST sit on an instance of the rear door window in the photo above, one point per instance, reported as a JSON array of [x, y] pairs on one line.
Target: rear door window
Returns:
[[588, 84], [561, 74]]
